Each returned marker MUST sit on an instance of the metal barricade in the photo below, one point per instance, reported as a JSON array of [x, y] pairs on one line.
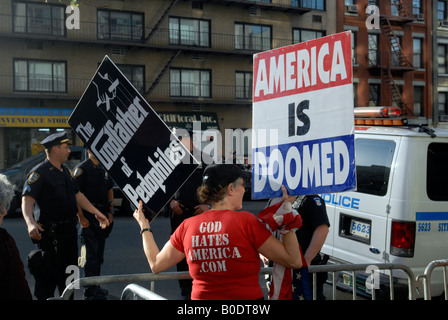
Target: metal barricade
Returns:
[[426, 277], [134, 291], [354, 268], [152, 278], [129, 278]]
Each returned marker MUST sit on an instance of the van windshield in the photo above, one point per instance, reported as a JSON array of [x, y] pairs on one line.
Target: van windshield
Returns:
[[437, 172], [373, 161]]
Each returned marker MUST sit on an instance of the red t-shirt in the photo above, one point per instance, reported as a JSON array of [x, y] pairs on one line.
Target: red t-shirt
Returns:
[[221, 251]]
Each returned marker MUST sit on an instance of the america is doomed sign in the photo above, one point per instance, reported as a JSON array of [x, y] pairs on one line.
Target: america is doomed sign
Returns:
[[134, 145], [303, 118]]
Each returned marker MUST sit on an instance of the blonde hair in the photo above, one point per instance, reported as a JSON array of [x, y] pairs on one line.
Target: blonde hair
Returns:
[[206, 194]]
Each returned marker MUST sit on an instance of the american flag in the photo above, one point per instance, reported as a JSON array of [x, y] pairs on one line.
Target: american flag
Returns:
[[286, 283]]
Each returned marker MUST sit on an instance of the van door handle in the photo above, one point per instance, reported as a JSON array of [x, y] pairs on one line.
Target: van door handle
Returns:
[[374, 250]]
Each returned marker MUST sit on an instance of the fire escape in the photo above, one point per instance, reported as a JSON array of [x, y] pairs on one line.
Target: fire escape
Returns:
[[394, 63], [253, 7], [164, 66]]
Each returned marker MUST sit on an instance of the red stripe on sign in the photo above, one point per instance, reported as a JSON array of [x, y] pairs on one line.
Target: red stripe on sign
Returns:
[[309, 66]]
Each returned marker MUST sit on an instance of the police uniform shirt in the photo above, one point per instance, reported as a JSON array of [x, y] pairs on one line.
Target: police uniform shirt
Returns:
[[94, 183], [313, 212], [187, 194], [54, 191]]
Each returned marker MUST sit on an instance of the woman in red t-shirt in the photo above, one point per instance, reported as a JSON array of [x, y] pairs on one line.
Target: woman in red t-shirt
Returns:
[[222, 246]]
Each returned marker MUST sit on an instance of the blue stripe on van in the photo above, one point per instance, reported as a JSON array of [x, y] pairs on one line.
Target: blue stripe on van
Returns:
[[431, 216]]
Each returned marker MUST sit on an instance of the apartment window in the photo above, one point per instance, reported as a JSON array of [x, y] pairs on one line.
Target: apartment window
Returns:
[[396, 50], [396, 7], [354, 45], [314, 4], [189, 32], [443, 103], [41, 76], [441, 10], [419, 101], [252, 37], [190, 83], [418, 53], [39, 18], [243, 85], [374, 94], [301, 35], [373, 49], [397, 93], [120, 25], [442, 58], [135, 74], [417, 6]]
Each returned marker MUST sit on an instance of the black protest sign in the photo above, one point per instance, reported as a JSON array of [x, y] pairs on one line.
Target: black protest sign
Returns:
[[130, 140]]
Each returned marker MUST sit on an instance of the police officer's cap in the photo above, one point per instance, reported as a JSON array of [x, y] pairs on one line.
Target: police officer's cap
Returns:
[[55, 139]]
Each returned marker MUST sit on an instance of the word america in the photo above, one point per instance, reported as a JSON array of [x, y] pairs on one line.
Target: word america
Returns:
[[300, 69]]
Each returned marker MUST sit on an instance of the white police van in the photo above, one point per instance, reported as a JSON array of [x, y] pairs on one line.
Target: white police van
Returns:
[[399, 213]]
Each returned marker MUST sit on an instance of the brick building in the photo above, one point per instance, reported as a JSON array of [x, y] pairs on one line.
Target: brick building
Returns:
[[392, 54], [188, 58]]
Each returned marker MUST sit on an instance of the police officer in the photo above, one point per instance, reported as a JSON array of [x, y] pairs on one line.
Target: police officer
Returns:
[[185, 202], [312, 235], [50, 202], [97, 186]]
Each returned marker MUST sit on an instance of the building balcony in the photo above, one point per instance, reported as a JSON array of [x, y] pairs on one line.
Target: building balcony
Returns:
[[278, 5], [125, 36], [387, 60], [73, 88]]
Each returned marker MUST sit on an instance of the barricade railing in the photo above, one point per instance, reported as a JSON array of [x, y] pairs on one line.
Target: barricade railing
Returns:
[[152, 278], [426, 277], [361, 268], [126, 278], [134, 291]]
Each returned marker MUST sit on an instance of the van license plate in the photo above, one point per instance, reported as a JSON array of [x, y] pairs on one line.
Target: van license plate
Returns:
[[360, 229]]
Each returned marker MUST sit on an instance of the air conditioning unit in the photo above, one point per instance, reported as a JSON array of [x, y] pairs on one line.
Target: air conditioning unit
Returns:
[[443, 23], [420, 16], [353, 8], [254, 11], [443, 118]]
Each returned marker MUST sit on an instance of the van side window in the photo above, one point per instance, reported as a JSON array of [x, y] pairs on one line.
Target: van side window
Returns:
[[437, 172], [373, 161]]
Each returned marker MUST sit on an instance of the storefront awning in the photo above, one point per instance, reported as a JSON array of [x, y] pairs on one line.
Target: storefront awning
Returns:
[[34, 117]]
